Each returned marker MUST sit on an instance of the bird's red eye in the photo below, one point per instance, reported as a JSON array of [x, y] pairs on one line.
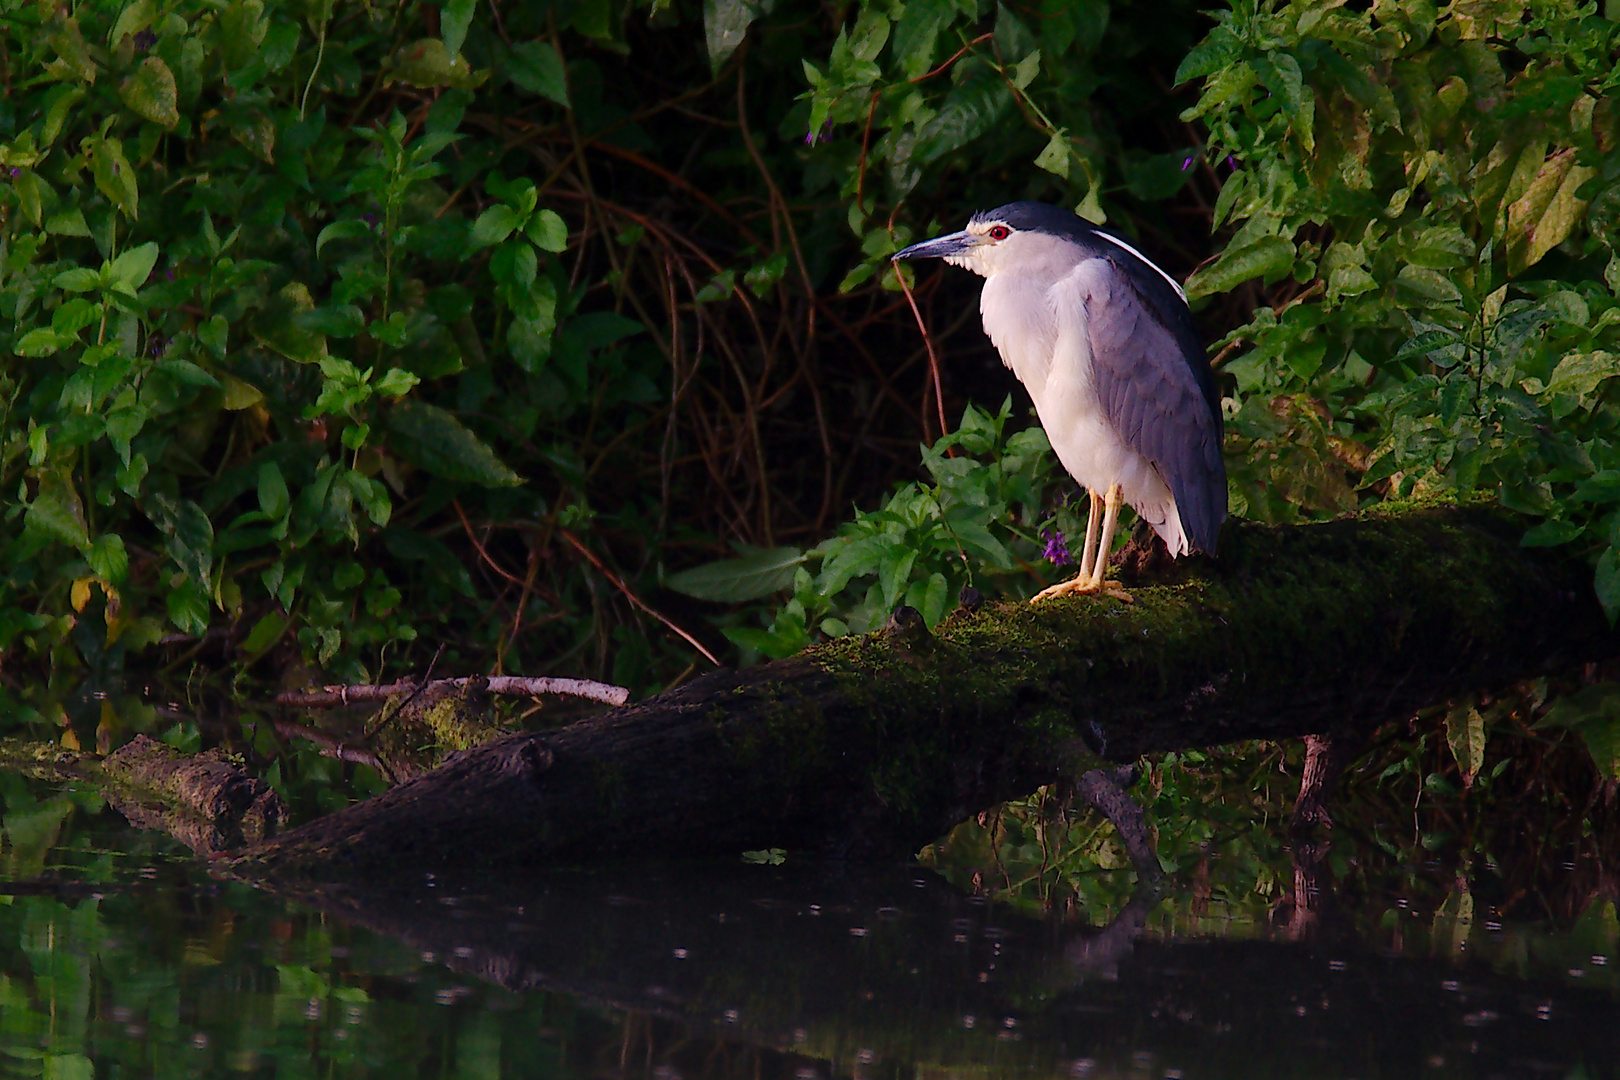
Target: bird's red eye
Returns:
[[999, 232]]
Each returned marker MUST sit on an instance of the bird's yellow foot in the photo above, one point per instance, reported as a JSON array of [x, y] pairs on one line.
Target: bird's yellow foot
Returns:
[[1084, 586]]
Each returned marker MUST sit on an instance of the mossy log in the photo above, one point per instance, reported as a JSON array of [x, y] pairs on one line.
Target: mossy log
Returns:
[[874, 746]]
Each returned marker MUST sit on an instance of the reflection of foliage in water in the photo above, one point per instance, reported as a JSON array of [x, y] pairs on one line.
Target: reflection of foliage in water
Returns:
[[1421, 851]]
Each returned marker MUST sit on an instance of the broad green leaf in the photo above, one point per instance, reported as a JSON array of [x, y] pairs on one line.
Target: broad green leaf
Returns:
[[546, 231], [68, 43], [1221, 49], [454, 19], [726, 22], [274, 498], [68, 221], [114, 177], [1025, 70], [758, 573], [537, 68], [494, 225], [265, 633], [42, 341], [1465, 734], [135, 17], [77, 279], [969, 111], [1580, 373], [1054, 157], [917, 32], [427, 64], [395, 382], [1551, 533], [1269, 257], [1424, 344], [133, 267], [188, 608], [108, 558], [433, 439], [1543, 217], [150, 93], [57, 510], [341, 230]]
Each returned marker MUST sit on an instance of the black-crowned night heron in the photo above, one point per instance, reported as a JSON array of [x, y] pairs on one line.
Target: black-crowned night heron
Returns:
[[1103, 340]]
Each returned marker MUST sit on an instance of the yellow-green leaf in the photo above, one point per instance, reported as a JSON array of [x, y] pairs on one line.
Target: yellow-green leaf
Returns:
[[1465, 733], [1055, 157], [1543, 217], [150, 93], [114, 177], [1269, 257]]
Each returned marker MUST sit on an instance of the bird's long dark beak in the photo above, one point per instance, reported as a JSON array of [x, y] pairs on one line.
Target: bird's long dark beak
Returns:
[[940, 246]]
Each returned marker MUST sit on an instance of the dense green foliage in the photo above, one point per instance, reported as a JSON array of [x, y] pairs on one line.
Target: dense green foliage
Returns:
[[335, 333]]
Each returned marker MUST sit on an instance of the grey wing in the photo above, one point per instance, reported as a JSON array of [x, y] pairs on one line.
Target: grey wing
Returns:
[[1146, 368]]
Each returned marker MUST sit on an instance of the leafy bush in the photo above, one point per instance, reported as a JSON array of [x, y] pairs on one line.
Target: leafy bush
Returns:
[[334, 327], [1429, 190]]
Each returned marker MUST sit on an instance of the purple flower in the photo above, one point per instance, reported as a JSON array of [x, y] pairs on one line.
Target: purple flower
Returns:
[[145, 40], [1057, 548], [1186, 163], [816, 136], [1231, 162], [156, 346], [15, 172]]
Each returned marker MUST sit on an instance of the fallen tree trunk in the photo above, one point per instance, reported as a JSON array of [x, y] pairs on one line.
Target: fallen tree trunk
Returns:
[[874, 746]]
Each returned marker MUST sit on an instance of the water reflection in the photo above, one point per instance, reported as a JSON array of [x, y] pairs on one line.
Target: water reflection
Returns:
[[118, 958]]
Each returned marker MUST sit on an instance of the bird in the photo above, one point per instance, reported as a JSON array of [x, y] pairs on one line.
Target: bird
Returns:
[[1105, 343]]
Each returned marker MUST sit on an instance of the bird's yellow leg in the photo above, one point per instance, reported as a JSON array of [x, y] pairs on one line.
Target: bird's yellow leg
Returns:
[[1088, 552], [1084, 583]]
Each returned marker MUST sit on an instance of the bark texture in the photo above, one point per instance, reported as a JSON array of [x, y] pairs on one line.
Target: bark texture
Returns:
[[874, 746]]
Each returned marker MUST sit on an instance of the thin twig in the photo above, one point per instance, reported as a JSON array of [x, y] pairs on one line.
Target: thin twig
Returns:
[[933, 360], [619, 584]]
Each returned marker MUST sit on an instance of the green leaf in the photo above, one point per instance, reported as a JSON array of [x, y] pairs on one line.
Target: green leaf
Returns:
[[427, 64], [1424, 344], [341, 230], [42, 341], [547, 232], [536, 67], [494, 225], [1545, 215], [454, 19], [133, 267], [67, 222], [132, 20], [1465, 734], [1221, 49], [396, 382], [265, 633], [114, 177], [759, 573], [1270, 257], [108, 558], [1580, 373], [726, 22], [1026, 69], [57, 511], [78, 279], [1551, 533], [188, 608], [274, 498], [433, 439], [1054, 158], [150, 93]]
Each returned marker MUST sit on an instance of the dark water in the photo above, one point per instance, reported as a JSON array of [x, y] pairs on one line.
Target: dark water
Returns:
[[120, 956]]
